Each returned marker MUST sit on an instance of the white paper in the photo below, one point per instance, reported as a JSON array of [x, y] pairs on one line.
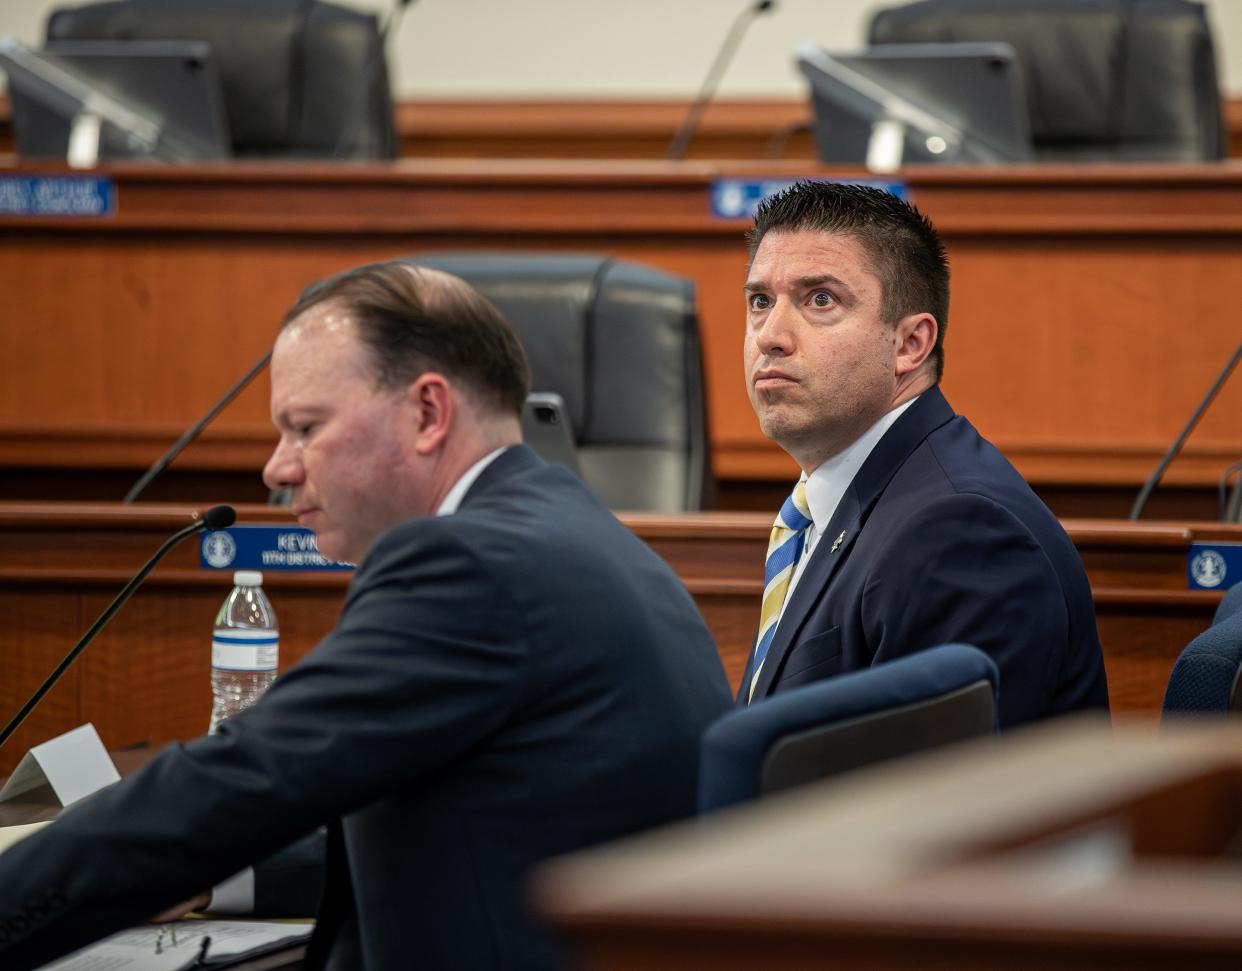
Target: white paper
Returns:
[[74, 764], [134, 949]]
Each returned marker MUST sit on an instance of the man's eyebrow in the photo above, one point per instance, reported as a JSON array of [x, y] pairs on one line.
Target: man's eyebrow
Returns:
[[750, 286], [814, 281], [293, 413]]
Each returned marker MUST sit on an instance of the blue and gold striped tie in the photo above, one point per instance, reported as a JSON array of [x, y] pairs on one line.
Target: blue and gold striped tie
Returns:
[[784, 548]]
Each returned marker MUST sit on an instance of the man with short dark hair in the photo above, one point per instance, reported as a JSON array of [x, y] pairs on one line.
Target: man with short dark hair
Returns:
[[514, 674], [906, 529]]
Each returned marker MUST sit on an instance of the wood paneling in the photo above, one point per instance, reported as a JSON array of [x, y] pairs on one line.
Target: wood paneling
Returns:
[[750, 129], [147, 676], [1092, 305]]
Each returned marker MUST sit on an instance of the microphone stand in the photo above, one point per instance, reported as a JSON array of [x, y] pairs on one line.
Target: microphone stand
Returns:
[[681, 141], [1151, 483], [179, 445]]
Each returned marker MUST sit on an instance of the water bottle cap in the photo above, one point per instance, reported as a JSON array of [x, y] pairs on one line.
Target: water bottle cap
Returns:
[[248, 578]]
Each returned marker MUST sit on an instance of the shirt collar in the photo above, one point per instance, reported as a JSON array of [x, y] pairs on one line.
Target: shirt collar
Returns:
[[827, 484], [455, 495]]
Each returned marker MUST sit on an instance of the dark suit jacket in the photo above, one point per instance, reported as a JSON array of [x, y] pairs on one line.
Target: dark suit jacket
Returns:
[[507, 683], [943, 541]]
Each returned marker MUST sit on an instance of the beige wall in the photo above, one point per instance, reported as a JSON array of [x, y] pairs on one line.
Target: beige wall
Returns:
[[616, 48]]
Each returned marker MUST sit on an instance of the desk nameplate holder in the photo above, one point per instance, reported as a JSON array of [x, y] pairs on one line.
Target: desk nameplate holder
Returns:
[[71, 766]]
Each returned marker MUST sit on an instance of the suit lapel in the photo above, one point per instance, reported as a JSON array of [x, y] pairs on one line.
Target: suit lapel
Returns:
[[928, 413]]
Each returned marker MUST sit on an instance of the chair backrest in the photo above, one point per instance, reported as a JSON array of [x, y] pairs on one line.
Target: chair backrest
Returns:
[[928, 699], [1229, 605], [1105, 79], [619, 342], [300, 77], [1205, 678]]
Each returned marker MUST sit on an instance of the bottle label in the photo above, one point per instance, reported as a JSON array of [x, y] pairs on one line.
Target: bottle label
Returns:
[[245, 650]]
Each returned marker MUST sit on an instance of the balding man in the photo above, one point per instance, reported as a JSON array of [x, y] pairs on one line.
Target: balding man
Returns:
[[513, 674]]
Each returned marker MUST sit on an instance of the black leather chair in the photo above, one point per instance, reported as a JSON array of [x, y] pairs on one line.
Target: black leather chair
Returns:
[[1106, 80], [922, 701], [301, 78], [619, 343]]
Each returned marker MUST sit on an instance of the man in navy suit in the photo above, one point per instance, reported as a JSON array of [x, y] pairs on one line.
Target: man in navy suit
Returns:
[[513, 675], [907, 529]]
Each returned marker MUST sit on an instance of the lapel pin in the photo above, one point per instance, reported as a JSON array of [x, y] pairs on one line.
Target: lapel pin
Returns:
[[836, 543]]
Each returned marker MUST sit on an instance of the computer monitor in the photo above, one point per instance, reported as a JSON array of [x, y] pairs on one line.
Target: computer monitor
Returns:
[[83, 101], [899, 103]]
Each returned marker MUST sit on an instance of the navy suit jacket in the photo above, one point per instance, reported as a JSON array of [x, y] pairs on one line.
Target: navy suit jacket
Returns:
[[514, 681], [940, 541]]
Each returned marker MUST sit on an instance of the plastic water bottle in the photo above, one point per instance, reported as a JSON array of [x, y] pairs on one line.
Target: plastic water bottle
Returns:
[[245, 647]]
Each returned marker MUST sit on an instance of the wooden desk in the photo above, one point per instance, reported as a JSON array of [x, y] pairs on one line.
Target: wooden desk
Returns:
[[147, 676], [1092, 306], [1071, 847]]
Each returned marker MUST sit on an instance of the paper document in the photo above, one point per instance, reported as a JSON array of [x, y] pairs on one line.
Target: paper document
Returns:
[[11, 834], [153, 947]]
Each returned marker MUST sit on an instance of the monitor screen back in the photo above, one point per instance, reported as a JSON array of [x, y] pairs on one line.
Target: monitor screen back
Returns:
[[173, 83], [975, 87]]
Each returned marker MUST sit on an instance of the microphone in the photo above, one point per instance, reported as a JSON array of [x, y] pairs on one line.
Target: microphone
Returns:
[[681, 141], [195, 430], [1150, 485], [217, 517]]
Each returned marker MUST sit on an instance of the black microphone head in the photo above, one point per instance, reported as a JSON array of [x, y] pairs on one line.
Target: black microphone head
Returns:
[[219, 517], [763, 6]]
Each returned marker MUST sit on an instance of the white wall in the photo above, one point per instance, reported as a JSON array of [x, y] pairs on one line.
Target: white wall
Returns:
[[616, 48]]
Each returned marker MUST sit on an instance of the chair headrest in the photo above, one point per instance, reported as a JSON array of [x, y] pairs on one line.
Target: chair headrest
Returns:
[[589, 325]]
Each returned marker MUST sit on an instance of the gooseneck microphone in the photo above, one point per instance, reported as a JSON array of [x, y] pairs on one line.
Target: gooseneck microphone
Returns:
[[1154, 479], [681, 141], [195, 430], [217, 517]]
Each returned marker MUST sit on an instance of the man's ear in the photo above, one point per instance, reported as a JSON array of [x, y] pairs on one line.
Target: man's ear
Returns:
[[432, 401], [916, 337]]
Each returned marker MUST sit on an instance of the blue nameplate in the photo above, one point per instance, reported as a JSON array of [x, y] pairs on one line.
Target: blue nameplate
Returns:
[[739, 198], [1214, 566], [263, 548], [56, 195]]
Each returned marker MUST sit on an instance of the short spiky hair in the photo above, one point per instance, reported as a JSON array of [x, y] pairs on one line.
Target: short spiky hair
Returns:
[[412, 320], [905, 250]]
